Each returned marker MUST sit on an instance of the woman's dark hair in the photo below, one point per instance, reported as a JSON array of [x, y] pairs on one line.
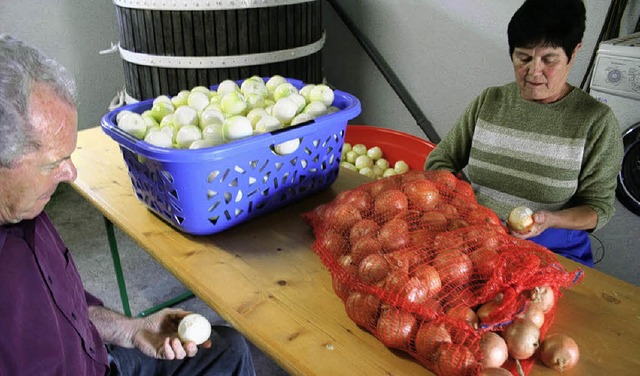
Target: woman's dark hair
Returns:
[[554, 23]]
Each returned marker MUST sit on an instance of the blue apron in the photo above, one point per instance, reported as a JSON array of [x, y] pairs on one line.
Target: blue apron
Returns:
[[572, 244]]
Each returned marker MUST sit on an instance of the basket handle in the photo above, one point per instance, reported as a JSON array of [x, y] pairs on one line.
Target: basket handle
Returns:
[[299, 125]]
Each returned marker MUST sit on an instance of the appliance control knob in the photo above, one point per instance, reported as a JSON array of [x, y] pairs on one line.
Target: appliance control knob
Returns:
[[614, 76]]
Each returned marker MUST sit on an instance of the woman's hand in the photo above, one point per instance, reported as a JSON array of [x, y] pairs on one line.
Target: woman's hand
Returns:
[[576, 218], [157, 336], [540, 223]]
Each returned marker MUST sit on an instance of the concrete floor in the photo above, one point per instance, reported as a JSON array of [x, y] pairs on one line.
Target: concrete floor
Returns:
[[82, 228]]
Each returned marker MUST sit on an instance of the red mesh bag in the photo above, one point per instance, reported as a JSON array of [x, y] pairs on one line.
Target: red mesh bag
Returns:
[[414, 257]]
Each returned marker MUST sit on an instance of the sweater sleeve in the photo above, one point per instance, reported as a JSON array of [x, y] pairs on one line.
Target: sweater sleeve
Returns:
[[602, 162], [452, 152]]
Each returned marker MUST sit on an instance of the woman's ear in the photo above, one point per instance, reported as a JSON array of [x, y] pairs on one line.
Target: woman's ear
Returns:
[[575, 50]]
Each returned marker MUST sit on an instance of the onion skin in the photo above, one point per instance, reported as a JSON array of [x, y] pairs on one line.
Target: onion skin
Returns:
[[428, 337], [454, 360], [534, 313], [494, 350], [559, 352], [522, 338], [544, 297]]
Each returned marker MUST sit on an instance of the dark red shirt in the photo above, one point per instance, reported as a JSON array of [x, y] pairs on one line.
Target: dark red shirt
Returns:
[[44, 319]]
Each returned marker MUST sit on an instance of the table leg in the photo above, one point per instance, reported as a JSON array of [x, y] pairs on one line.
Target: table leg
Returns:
[[115, 256]]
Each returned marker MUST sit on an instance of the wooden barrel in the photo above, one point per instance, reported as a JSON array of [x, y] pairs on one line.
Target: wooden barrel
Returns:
[[172, 45]]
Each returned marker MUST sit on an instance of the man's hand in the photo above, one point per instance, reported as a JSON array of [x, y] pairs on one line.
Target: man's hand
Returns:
[[155, 335]]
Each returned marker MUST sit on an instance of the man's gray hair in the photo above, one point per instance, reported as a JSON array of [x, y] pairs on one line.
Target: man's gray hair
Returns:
[[22, 66]]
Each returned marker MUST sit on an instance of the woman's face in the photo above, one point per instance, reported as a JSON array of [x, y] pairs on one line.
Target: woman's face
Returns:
[[541, 72]]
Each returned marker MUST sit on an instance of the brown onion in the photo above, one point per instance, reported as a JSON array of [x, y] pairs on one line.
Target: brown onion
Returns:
[[464, 313], [534, 313], [395, 328], [559, 352], [544, 297], [454, 360], [428, 338], [522, 337], [494, 350], [489, 307]]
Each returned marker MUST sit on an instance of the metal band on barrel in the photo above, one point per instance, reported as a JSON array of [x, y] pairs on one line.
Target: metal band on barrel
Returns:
[[208, 62], [194, 5]]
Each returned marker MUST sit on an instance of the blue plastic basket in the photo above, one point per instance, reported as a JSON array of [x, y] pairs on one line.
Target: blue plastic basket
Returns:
[[205, 191]]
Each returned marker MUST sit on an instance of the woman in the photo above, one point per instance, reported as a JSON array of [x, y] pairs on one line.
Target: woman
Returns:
[[538, 141]]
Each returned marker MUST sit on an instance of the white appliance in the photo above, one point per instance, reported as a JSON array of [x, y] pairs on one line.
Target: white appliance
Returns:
[[616, 82], [616, 78]]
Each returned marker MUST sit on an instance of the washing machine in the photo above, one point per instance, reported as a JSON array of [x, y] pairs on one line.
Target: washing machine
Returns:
[[616, 82]]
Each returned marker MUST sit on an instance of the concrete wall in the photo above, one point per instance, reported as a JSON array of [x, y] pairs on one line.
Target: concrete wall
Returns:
[[73, 32], [444, 52]]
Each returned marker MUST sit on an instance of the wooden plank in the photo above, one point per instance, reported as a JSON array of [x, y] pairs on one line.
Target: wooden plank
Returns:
[[244, 37], [264, 34], [210, 32], [281, 37], [178, 45], [134, 89], [169, 48], [200, 45], [158, 27], [188, 40], [151, 49], [221, 42], [290, 37], [233, 47], [123, 37]]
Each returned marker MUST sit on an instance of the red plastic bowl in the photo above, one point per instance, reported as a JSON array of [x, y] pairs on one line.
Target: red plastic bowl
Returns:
[[395, 145]]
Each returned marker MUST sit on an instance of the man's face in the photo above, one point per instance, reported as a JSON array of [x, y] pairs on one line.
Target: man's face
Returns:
[[542, 72], [26, 187]]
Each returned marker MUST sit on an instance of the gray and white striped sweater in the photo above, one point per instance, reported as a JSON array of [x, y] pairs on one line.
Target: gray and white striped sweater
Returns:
[[545, 156]]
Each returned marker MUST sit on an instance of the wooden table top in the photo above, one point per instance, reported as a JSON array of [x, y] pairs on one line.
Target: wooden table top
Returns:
[[263, 278]]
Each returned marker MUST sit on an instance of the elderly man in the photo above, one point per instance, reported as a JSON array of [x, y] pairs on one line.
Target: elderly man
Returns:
[[50, 325]]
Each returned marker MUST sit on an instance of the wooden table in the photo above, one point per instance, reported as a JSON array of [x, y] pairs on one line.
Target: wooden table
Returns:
[[264, 279]]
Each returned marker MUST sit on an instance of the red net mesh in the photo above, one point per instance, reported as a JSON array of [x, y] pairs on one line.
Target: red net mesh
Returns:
[[413, 256]]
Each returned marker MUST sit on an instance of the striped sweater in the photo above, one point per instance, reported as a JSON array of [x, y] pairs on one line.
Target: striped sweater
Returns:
[[545, 156]]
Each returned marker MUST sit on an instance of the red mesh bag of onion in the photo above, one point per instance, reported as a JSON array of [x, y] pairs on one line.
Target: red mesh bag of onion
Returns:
[[427, 270]]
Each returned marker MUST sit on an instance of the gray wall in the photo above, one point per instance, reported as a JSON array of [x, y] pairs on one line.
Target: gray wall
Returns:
[[445, 52], [73, 32]]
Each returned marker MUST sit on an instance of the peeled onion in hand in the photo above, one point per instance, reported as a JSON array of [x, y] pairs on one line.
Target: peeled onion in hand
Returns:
[[520, 219], [194, 328], [559, 352]]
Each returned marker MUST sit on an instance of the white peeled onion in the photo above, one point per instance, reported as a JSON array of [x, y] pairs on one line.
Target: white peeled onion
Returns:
[[133, 124], [194, 328], [236, 127], [520, 219], [287, 147], [322, 93]]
